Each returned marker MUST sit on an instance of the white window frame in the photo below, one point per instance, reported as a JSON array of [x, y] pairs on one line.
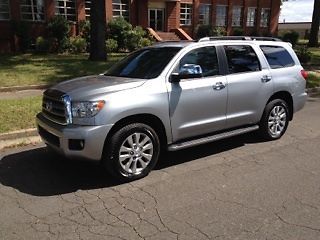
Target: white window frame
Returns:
[[204, 17], [124, 7], [69, 16], [185, 15], [6, 4], [33, 4], [236, 16], [87, 6], [221, 16], [265, 17], [251, 16]]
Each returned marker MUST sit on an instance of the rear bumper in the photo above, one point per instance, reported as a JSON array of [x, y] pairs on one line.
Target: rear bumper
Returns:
[[299, 101], [58, 137]]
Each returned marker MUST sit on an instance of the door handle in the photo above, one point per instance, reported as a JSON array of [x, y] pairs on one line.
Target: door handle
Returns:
[[219, 86], [266, 78]]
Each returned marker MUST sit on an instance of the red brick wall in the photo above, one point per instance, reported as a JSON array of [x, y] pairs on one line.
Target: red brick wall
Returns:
[[173, 15]]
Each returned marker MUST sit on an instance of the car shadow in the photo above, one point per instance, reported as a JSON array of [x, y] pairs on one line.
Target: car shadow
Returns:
[[40, 172]]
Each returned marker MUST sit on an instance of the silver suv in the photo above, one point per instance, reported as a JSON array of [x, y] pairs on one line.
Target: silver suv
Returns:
[[171, 96]]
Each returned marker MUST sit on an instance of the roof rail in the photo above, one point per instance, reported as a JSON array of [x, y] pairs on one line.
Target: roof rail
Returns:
[[244, 38]]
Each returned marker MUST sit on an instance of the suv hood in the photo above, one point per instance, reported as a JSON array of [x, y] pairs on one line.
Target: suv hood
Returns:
[[80, 88]]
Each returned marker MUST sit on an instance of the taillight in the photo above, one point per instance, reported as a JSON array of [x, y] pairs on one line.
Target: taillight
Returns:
[[304, 74]]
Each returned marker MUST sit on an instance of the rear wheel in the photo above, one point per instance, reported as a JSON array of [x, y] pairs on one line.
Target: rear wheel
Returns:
[[275, 119], [132, 152]]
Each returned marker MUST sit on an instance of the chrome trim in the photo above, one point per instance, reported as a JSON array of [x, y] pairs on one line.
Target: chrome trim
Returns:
[[67, 103]]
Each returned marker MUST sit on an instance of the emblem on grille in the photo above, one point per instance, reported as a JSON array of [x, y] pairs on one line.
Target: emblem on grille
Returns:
[[49, 106]]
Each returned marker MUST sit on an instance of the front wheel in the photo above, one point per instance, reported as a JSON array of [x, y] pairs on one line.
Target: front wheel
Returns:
[[275, 119], [132, 152]]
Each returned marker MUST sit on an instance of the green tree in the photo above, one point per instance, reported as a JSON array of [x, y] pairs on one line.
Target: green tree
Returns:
[[98, 31]]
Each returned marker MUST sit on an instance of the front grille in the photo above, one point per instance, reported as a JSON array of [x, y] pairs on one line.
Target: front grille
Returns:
[[53, 106], [49, 137]]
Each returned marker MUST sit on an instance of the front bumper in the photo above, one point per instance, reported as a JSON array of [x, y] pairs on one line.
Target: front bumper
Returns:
[[58, 137]]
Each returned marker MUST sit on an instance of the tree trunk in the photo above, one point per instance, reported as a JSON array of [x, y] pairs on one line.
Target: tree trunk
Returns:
[[98, 31], [313, 39]]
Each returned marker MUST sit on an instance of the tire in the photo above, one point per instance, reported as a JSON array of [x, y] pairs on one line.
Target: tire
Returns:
[[132, 152], [275, 120]]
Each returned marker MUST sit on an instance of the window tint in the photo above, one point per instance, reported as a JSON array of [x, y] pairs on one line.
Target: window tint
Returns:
[[277, 57], [206, 57], [242, 59]]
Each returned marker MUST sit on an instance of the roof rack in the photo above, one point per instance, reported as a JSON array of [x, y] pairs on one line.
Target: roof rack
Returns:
[[244, 38]]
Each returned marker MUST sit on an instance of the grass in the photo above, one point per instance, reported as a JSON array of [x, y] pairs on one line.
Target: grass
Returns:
[[19, 113], [34, 69]]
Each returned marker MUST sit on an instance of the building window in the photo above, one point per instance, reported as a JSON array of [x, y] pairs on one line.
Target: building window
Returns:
[[265, 17], [4, 10], [251, 17], [66, 8], [204, 14], [32, 10], [221, 17], [120, 8], [185, 14], [236, 16], [87, 6]]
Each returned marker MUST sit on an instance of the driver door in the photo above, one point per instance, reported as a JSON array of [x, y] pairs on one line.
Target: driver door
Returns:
[[198, 105]]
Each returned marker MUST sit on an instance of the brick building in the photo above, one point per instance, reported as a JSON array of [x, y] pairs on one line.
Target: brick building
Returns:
[[259, 17]]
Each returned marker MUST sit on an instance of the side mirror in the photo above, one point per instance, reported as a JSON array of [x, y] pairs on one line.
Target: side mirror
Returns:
[[187, 71]]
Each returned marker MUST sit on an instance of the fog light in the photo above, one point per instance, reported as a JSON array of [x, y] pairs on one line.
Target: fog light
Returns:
[[76, 144]]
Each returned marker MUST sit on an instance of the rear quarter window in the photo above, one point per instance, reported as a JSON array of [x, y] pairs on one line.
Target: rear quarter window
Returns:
[[277, 57]]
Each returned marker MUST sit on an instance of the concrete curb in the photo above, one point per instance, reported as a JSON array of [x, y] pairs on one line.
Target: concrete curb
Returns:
[[21, 88], [24, 141], [31, 132]]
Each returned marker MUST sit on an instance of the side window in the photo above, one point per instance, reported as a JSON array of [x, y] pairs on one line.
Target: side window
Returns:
[[277, 57], [241, 58], [205, 57]]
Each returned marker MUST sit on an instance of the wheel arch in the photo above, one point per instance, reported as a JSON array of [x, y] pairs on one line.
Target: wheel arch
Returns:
[[148, 119], [285, 96]]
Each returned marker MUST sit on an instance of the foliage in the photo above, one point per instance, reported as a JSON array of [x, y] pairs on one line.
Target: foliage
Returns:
[[42, 45], [58, 31], [291, 36], [313, 80], [209, 31], [21, 30], [77, 44], [144, 42], [127, 37], [303, 54], [238, 32], [111, 45], [84, 31]]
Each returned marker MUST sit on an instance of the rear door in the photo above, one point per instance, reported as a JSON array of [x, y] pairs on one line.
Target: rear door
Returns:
[[249, 84]]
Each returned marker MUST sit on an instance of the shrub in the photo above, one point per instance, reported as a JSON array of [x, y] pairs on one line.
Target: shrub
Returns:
[[204, 31], [134, 38], [42, 45], [111, 45], [238, 32], [303, 54], [209, 31], [77, 44], [58, 30], [118, 29], [291, 36], [84, 31], [144, 42]]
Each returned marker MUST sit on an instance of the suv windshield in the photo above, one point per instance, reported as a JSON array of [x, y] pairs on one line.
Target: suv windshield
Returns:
[[146, 63]]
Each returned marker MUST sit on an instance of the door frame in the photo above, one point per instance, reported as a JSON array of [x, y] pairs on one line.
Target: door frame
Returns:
[[156, 14]]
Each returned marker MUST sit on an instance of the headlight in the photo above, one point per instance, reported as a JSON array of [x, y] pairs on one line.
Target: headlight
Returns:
[[86, 109]]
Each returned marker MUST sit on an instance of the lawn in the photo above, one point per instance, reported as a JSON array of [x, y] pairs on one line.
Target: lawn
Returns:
[[19, 113], [33, 69]]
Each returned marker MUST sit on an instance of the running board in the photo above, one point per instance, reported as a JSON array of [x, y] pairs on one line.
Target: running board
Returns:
[[216, 137]]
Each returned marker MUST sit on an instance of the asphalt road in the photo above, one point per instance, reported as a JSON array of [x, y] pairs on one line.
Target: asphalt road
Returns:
[[240, 188]]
